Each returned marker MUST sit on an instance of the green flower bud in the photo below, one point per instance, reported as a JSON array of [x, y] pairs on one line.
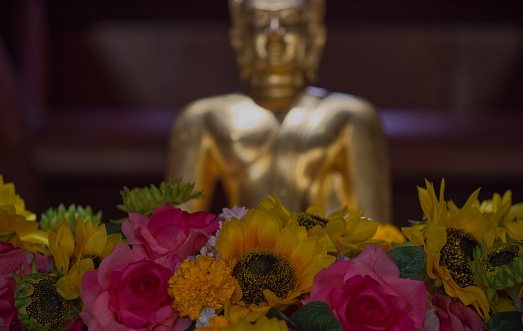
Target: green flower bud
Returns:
[[52, 216], [145, 200]]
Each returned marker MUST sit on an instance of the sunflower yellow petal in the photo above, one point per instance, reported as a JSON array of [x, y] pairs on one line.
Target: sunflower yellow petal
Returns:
[[112, 240], [90, 238], [230, 243], [303, 253], [268, 233], [335, 228], [287, 240], [65, 238], [67, 289], [83, 266], [316, 210]]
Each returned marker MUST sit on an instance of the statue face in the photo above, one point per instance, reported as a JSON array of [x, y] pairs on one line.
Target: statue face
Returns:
[[275, 39]]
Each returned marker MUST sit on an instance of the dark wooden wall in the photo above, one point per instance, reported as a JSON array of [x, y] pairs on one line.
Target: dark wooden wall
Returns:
[[89, 90]]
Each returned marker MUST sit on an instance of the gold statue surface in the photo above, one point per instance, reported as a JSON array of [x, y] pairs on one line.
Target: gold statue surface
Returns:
[[303, 144]]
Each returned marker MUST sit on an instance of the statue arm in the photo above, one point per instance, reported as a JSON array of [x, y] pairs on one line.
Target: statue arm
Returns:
[[360, 172], [369, 164], [190, 156]]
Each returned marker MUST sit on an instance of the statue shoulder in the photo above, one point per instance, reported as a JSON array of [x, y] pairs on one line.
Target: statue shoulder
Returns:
[[345, 109], [349, 104], [213, 104]]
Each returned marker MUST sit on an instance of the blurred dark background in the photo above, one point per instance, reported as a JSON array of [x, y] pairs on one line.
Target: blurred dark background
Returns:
[[89, 90]]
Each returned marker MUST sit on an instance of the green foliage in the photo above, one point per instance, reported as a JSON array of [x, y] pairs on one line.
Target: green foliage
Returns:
[[145, 200], [274, 312], [410, 261], [505, 321], [316, 315]]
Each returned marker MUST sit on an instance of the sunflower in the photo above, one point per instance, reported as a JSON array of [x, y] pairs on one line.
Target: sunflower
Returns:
[[499, 266], [20, 232], [450, 237], [17, 225], [39, 306], [8, 196], [327, 227], [273, 264], [343, 232], [75, 259], [500, 210]]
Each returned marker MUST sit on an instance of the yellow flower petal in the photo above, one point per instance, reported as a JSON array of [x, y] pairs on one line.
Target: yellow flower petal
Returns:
[[66, 288]]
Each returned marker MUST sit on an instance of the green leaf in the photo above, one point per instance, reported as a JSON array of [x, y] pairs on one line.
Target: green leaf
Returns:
[[410, 260], [274, 312], [506, 321], [316, 315]]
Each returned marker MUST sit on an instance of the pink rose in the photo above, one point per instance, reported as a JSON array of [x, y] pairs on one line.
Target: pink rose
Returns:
[[14, 259], [367, 293], [170, 234], [129, 292], [7, 303], [453, 315]]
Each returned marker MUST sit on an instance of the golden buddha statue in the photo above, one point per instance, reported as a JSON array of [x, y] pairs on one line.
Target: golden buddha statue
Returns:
[[303, 144]]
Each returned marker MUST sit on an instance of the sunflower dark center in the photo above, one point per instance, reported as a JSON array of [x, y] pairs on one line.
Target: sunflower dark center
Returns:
[[459, 246], [262, 269], [499, 256], [96, 259], [47, 306], [309, 220]]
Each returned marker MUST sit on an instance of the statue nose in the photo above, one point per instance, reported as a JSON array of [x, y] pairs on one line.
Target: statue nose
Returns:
[[274, 25]]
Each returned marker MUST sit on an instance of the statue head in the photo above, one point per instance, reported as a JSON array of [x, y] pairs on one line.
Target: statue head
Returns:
[[277, 41]]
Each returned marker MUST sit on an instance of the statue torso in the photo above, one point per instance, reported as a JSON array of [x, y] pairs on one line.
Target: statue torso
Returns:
[[295, 154]]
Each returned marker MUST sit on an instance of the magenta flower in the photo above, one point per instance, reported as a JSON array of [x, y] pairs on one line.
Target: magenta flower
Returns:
[[129, 292], [453, 315], [169, 235], [367, 293]]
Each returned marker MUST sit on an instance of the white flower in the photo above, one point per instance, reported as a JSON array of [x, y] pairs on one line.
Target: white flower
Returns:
[[210, 247], [236, 211], [205, 316]]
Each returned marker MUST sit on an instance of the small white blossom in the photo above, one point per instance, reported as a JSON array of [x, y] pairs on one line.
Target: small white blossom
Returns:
[[342, 257], [210, 247], [205, 316], [238, 212]]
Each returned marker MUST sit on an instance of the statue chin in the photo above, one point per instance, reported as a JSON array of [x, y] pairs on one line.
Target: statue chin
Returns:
[[305, 145]]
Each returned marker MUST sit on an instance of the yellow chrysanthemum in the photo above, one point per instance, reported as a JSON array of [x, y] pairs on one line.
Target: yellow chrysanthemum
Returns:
[[449, 237], [273, 265], [219, 323], [22, 231], [202, 282], [75, 259], [216, 323]]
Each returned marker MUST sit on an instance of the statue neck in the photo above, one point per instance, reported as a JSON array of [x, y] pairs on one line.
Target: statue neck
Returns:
[[276, 93]]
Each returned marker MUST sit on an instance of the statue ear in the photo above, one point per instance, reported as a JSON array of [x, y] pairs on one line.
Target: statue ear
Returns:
[[318, 36], [242, 58]]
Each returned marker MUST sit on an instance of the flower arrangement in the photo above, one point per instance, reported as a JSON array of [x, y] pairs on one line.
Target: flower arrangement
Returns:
[[264, 268]]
